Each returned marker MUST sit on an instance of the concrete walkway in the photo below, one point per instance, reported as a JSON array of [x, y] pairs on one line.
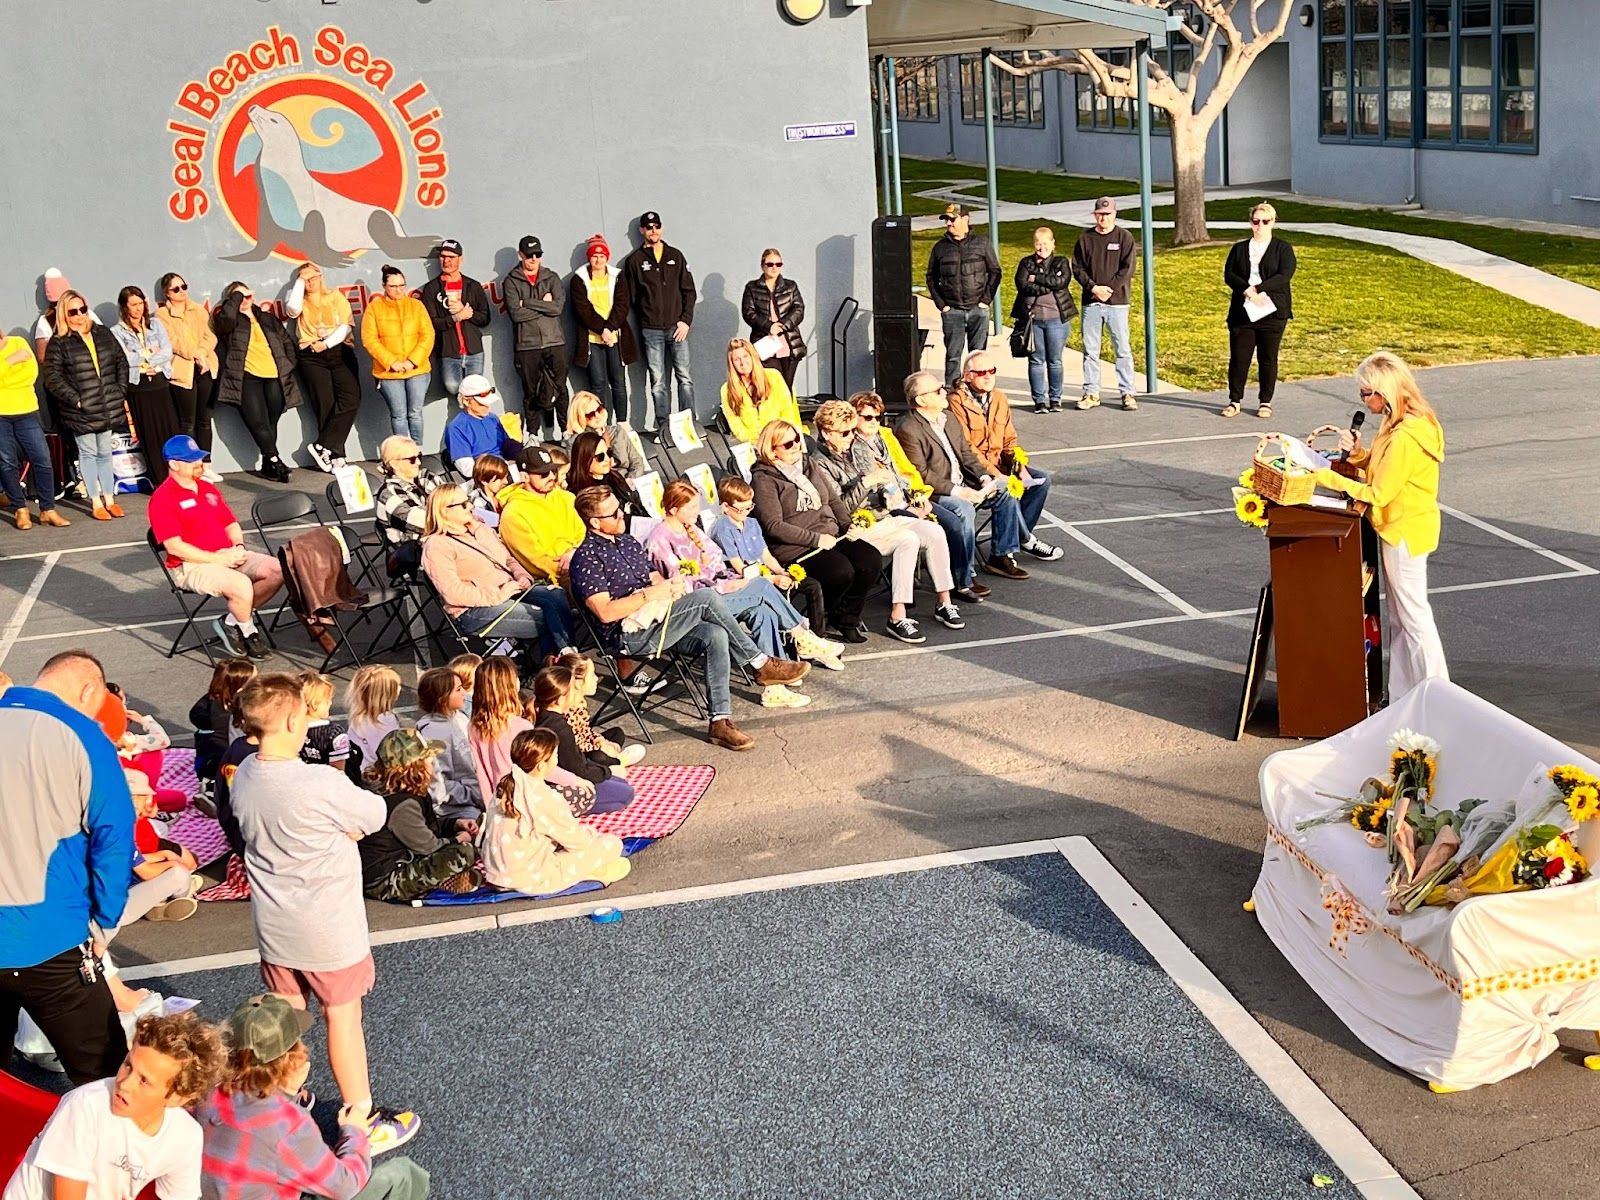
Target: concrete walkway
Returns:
[[1552, 292]]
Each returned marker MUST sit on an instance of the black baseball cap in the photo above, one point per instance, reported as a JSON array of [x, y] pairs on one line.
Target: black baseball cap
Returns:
[[449, 246], [530, 247], [536, 460], [649, 218]]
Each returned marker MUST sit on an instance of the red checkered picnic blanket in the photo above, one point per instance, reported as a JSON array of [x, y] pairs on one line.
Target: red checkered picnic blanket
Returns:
[[177, 772], [664, 796]]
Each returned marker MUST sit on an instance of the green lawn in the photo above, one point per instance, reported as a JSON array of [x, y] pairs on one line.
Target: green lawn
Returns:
[[1574, 258], [1428, 315], [1022, 187]]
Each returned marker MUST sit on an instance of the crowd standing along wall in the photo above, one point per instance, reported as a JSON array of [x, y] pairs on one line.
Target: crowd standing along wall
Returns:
[[230, 139]]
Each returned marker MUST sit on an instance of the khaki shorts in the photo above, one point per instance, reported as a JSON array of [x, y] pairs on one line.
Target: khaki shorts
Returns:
[[210, 579], [329, 987]]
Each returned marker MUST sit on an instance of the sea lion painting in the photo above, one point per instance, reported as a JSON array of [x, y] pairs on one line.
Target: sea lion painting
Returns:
[[298, 209]]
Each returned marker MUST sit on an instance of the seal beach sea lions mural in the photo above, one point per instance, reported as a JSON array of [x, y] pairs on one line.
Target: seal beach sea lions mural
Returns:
[[307, 163]]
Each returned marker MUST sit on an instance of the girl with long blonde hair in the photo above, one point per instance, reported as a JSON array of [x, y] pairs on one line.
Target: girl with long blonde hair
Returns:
[[754, 394]]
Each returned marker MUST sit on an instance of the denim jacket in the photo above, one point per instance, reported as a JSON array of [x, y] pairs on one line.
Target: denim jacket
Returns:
[[157, 349]]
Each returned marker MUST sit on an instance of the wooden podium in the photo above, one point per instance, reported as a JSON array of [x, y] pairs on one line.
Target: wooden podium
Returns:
[[1323, 597]]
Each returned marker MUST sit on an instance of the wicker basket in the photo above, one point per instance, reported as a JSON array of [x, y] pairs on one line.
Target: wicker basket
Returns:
[[1281, 485]]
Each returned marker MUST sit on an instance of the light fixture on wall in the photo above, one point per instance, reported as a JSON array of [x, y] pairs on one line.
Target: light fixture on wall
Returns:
[[802, 12], [1307, 15]]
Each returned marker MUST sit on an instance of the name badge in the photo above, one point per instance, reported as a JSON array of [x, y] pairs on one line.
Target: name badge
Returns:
[[186, 503], [1113, 245]]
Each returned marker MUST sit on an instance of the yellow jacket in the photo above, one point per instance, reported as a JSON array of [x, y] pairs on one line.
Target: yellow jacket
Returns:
[[17, 378], [897, 456], [537, 529], [780, 406], [394, 331], [1400, 481]]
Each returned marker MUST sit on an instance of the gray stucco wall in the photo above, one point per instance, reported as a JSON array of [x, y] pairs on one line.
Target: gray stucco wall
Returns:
[[558, 117], [1539, 186]]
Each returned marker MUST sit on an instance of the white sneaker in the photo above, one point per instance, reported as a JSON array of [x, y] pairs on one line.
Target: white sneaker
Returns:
[[778, 696], [322, 456], [210, 475], [632, 753]]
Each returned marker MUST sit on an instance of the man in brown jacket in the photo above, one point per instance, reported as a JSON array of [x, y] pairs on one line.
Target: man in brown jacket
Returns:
[[984, 415]]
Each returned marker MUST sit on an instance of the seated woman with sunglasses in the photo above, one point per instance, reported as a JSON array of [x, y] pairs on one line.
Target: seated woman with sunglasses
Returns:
[[588, 413], [594, 466], [400, 505], [902, 527], [483, 588], [807, 522]]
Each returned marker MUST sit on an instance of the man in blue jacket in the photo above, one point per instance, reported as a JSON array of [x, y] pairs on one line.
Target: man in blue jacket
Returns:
[[65, 865]]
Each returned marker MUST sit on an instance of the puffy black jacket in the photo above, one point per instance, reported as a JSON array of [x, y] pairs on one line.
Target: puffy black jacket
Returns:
[[663, 292], [756, 309], [233, 339], [87, 400], [444, 325], [962, 274], [1034, 279]]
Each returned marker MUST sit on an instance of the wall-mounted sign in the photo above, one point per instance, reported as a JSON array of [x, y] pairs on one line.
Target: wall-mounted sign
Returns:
[[802, 11], [310, 156], [808, 133]]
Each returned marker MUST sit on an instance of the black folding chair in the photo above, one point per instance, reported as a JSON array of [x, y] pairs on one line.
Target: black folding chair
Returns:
[[192, 603], [389, 603], [668, 676], [366, 545], [446, 633]]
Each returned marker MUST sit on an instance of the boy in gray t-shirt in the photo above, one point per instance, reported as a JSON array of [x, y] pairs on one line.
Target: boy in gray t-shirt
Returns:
[[300, 823]]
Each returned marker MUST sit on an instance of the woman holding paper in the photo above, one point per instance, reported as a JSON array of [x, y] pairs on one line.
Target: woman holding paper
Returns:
[[1257, 272], [594, 463], [754, 395], [1400, 481], [773, 308]]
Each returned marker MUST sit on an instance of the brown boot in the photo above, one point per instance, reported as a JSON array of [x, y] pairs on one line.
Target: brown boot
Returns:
[[726, 734], [51, 517], [781, 670], [24, 521]]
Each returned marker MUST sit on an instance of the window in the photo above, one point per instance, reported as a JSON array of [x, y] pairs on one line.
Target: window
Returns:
[[1018, 99], [916, 89], [1467, 68], [1099, 113]]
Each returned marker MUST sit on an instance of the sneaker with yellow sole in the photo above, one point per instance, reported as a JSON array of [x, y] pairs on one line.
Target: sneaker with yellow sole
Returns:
[[389, 1129]]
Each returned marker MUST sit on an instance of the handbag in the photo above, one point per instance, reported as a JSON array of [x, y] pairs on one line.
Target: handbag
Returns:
[[1022, 337]]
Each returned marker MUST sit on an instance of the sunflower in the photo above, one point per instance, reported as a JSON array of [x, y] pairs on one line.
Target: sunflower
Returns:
[[1019, 457], [1014, 486], [1247, 477], [862, 518], [1583, 801], [1249, 508], [764, 571], [688, 566], [797, 573]]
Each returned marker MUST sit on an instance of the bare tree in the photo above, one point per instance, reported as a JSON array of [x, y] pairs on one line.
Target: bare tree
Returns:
[[1190, 120]]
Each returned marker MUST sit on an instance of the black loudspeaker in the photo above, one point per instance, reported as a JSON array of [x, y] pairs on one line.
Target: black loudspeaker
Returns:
[[896, 352], [891, 266]]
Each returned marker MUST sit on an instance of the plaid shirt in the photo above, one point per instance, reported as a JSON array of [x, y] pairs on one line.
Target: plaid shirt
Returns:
[[270, 1149], [402, 508]]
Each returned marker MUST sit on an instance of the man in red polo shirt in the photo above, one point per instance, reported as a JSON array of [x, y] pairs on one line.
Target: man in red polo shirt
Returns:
[[205, 547]]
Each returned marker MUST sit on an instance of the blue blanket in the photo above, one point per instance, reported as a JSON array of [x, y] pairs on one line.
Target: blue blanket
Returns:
[[488, 894]]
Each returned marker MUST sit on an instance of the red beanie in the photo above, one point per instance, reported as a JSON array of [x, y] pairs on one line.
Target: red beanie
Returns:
[[597, 242]]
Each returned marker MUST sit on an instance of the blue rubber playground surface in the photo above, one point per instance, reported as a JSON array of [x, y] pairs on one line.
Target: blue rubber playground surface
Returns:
[[986, 1030]]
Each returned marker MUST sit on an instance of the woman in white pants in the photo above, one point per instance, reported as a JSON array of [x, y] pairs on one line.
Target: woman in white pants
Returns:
[[902, 529], [1400, 481]]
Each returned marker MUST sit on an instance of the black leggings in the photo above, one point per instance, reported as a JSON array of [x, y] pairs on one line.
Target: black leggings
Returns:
[[1262, 340], [336, 391], [846, 573], [261, 404], [193, 406]]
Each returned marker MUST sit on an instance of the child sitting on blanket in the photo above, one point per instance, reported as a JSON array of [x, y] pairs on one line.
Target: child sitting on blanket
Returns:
[[466, 668], [532, 843], [370, 700], [556, 693], [496, 720], [140, 741], [328, 737], [407, 859], [442, 699], [215, 724], [594, 744]]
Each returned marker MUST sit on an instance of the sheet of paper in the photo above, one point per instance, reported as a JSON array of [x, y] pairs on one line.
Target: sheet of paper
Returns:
[[1261, 306], [744, 457], [700, 475], [1301, 455], [650, 487], [684, 435], [1341, 503]]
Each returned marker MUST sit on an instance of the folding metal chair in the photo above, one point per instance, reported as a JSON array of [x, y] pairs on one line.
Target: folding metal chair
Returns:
[[366, 545], [390, 603], [669, 675], [192, 603]]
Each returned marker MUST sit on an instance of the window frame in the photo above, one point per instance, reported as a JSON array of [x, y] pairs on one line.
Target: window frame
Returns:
[[917, 93], [1008, 90], [1120, 115]]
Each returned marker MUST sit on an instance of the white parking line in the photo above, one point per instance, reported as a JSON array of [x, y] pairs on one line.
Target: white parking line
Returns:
[[1123, 565], [1210, 437], [1506, 535], [8, 636], [1162, 516], [249, 533]]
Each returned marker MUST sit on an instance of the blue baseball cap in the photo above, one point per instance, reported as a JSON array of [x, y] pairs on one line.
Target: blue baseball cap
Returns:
[[183, 448]]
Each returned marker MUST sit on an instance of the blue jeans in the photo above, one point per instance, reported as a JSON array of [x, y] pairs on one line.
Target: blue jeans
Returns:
[[700, 623], [661, 353], [1113, 317], [1049, 340], [608, 379], [761, 608], [544, 613], [453, 370], [959, 520], [22, 437], [94, 464], [964, 329], [1014, 519], [404, 398]]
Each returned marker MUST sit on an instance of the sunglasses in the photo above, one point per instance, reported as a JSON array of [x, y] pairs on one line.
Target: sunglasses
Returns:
[[1367, 393], [458, 504], [178, 287], [602, 456], [410, 458], [779, 263], [606, 516], [947, 219], [76, 312], [1260, 221], [869, 418], [789, 445], [484, 397], [591, 414], [938, 391], [990, 371], [651, 225]]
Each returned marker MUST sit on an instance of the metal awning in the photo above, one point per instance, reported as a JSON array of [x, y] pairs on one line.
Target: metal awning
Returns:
[[907, 27]]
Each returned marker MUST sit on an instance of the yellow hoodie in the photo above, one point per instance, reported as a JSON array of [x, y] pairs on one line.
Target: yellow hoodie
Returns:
[[1400, 482], [537, 529], [19, 367]]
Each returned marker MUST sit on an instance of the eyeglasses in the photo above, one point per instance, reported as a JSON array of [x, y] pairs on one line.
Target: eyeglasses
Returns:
[[990, 371], [1260, 221], [789, 445], [1368, 393], [938, 391], [871, 418], [779, 263], [743, 506], [399, 284], [651, 225], [178, 287], [76, 312]]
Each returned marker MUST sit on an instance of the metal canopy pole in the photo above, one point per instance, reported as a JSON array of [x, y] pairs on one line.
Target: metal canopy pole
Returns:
[[894, 136], [1147, 237], [883, 134], [988, 159]]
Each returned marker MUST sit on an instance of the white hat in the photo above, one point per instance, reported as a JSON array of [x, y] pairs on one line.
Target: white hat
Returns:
[[478, 388]]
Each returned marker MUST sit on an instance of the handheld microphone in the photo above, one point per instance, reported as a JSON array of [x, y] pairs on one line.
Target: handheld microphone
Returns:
[[1356, 421]]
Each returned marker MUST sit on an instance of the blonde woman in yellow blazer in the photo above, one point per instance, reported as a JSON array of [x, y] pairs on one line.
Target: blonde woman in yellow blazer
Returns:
[[1400, 481], [397, 331]]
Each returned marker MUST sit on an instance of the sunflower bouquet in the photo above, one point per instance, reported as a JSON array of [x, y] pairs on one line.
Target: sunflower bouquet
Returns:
[[1250, 508], [1365, 810], [862, 519], [689, 567], [797, 572]]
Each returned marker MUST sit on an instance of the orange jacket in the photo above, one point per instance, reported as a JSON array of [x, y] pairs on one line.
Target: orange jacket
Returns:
[[394, 331], [991, 434]]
